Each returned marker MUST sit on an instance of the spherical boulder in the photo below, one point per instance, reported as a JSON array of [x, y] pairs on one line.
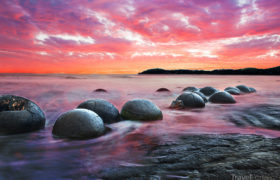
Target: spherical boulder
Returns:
[[140, 109], [243, 88], [100, 90], [228, 88], [222, 98], [233, 90], [208, 91], [162, 90], [79, 123], [191, 100], [191, 89], [106, 110], [19, 115], [252, 90], [201, 95]]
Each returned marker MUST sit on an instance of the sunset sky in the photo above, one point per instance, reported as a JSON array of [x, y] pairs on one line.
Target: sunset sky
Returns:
[[129, 36]]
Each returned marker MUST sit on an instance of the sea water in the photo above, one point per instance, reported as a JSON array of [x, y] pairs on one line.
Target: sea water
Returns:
[[38, 155]]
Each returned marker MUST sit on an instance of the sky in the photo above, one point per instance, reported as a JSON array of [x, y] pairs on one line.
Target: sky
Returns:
[[129, 36]]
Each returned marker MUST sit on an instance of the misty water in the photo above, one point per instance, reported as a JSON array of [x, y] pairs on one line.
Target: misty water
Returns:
[[38, 155]]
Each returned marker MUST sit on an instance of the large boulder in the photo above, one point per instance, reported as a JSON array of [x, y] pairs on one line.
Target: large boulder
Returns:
[[233, 90], [141, 109], [191, 100], [191, 89], [19, 115], [243, 88], [208, 91], [107, 111], [222, 98], [79, 123]]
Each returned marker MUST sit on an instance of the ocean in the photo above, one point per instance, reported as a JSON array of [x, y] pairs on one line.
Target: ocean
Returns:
[[38, 155]]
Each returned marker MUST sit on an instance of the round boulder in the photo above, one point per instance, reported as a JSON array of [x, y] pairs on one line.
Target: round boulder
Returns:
[[222, 98], [208, 91], [233, 90], [107, 111], [191, 89], [79, 123], [252, 90], [141, 109], [163, 90], [191, 100], [100, 90], [201, 95], [19, 115], [228, 88], [243, 88]]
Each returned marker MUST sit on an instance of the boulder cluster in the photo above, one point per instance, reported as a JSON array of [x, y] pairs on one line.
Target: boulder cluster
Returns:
[[89, 119], [193, 97]]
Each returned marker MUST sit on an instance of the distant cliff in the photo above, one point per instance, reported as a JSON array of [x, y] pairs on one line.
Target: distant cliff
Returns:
[[246, 71]]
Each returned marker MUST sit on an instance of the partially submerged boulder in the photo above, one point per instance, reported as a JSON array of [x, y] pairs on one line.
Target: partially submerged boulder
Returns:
[[233, 90], [100, 90], [191, 89], [191, 100], [19, 115], [208, 91], [243, 88], [141, 109], [201, 95], [162, 90], [79, 123], [222, 98], [252, 90], [106, 110]]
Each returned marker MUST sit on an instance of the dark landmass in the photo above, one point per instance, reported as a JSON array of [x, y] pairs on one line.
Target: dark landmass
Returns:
[[217, 157], [246, 71]]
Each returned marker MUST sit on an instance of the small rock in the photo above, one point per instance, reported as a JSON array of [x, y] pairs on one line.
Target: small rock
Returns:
[[79, 123], [243, 88], [208, 91], [141, 109], [191, 100], [19, 115], [222, 98], [191, 89], [107, 111], [163, 90]]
